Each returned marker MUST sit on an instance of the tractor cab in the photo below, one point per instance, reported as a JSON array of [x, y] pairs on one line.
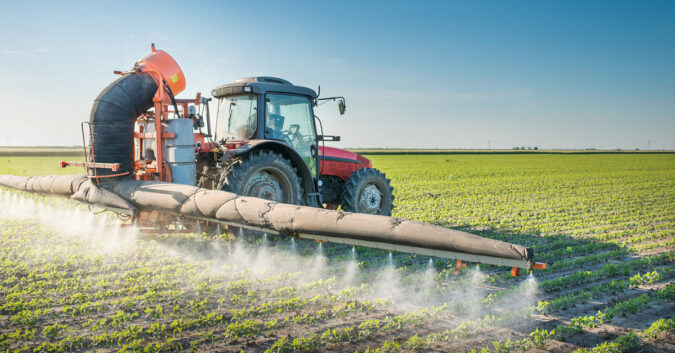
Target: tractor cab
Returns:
[[268, 108], [267, 133]]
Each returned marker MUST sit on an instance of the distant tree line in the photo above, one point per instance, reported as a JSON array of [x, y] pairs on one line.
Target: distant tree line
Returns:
[[523, 148]]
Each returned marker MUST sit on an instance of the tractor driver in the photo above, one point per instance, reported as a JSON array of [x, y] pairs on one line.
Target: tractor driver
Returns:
[[275, 125]]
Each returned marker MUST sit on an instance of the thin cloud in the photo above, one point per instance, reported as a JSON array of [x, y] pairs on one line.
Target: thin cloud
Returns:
[[16, 52], [26, 53], [394, 95], [159, 36]]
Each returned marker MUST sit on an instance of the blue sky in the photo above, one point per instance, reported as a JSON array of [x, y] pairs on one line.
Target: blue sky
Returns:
[[567, 74]]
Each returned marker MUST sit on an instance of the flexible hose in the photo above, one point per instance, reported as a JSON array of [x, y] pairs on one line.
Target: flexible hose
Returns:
[[112, 121]]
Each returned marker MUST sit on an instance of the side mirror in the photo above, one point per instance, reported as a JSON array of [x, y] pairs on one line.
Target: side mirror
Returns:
[[341, 106]]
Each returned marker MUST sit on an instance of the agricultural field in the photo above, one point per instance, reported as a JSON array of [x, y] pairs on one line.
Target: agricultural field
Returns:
[[75, 281], [42, 151]]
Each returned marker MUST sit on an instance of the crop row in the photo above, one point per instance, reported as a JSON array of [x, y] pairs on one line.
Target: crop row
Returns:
[[539, 338], [132, 336], [464, 330], [115, 333], [608, 270], [623, 308], [612, 287], [363, 330]]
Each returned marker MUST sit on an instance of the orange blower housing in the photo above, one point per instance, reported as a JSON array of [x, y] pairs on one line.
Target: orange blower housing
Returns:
[[162, 64]]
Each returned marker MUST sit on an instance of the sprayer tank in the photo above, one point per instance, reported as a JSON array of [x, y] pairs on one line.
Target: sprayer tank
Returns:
[[180, 151]]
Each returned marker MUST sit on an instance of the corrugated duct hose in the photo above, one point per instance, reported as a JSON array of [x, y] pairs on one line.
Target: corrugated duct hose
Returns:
[[112, 122]]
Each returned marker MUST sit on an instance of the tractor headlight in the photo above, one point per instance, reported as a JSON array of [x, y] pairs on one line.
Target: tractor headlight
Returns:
[[247, 89]]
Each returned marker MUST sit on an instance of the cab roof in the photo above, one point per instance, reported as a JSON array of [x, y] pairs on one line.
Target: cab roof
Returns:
[[261, 85]]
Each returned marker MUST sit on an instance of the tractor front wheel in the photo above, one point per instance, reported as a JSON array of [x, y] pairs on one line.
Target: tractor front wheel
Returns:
[[368, 191], [266, 175]]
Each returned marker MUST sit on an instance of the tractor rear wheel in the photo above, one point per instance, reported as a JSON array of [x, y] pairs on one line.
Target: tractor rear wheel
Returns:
[[266, 175], [368, 190]]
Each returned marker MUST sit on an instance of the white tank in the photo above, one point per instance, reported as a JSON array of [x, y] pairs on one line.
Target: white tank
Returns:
[[179, 152]]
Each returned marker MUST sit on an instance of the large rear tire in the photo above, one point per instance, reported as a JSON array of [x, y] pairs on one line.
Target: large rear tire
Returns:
[[266, 175], [368, 191]]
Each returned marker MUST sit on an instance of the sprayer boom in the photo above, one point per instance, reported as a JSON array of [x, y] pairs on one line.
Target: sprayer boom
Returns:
[[133, 197]]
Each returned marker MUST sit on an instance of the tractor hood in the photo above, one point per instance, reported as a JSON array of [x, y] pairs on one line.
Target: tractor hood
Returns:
[[340, 155]]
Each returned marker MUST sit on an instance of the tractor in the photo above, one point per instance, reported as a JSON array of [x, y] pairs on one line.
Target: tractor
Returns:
[[267, 146], [265, 143], [144, 143]]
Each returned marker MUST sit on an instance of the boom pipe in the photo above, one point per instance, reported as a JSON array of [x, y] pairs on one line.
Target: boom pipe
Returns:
[[306, 222]]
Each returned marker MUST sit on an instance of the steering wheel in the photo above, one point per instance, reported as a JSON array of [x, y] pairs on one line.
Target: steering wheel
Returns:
[[285, 135], [292, 135]]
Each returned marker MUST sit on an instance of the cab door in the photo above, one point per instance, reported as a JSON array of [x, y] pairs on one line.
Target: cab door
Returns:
[[289, 118]]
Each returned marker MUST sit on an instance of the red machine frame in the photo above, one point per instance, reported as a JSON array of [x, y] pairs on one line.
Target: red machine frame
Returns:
[[170, 81]]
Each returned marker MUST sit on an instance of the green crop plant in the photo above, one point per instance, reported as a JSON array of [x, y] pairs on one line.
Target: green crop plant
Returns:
[[52, 331], [621, 344], [658, 328], [539, 337], [244, 329]]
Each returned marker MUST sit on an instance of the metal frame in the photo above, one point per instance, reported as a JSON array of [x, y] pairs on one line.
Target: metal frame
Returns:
[[108, 208], [498, 261], [491, 260], [93, 164]]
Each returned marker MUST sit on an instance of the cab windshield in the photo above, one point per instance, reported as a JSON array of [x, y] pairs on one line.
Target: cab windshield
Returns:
[[237, 117]]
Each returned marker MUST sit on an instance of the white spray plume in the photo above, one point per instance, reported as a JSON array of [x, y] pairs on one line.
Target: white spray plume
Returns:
[[109, 235]]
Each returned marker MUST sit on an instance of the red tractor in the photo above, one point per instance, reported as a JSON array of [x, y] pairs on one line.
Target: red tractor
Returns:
[[267, 146], [265, 143]]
